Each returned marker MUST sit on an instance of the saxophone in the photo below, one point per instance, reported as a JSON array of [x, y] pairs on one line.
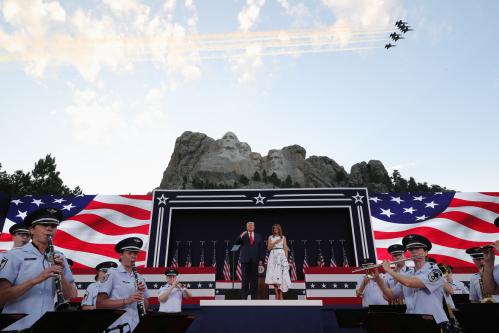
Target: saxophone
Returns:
[[61, 303], [486, 298], [140, 304]]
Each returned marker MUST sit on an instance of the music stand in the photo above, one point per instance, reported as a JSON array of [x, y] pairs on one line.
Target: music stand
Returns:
[[478, 317], [7, 319], [390, 322], [397, 308], [351, 318], [76, 321], [162, 322]]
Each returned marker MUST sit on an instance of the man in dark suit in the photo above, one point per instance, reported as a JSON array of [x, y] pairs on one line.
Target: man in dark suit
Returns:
[[252, 254]]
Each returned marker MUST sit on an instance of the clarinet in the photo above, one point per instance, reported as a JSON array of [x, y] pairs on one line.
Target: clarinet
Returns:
[[140, 304], [61, 303]]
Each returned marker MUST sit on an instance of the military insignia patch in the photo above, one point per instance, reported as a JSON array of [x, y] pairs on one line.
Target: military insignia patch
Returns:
[[3, 262], [434, 275]]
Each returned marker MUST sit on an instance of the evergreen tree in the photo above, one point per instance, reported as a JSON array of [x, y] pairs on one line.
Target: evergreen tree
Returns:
[[256, 176]]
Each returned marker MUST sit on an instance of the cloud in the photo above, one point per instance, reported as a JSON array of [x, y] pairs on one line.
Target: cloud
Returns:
[[362, 15], [250, 14], [101, 118], [117, 36], [298, 12], [96, 119]]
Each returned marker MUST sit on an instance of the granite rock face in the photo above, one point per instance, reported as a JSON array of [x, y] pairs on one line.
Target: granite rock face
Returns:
[[199, 161]]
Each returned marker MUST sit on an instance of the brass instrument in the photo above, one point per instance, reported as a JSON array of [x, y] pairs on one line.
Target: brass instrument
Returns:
[[61, 303], [486, 298], [141, 307], [369, 267]]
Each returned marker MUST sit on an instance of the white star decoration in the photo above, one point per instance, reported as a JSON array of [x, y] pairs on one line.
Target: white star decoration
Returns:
[[431, 204], [162, 199], [188, 285], [38, 202], [155, 286], [397, 200], [59, 200], [421, 218], [199, 285], [358, 197], [22, 215], [335, 285], [409, 210], [420, 198], [375, 199], [386, 212], [312, 286], [17, 202], [259, 199], [210, 285], [68, 207], [346, 285], [323, 285]]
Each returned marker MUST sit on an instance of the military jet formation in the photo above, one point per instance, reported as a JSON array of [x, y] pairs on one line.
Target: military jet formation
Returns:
[[404, 27]]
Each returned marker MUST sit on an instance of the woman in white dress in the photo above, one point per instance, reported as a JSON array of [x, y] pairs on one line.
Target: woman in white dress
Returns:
[[277, 265]]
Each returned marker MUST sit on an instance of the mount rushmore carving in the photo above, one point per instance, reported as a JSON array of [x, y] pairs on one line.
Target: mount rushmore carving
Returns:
[[199, 161]]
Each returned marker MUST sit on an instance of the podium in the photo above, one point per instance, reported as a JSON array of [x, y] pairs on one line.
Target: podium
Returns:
[[92, 321], [161, 322], [263, 289], [7, 319]]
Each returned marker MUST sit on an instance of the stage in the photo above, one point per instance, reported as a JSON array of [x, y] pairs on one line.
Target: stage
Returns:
[[261, 316]]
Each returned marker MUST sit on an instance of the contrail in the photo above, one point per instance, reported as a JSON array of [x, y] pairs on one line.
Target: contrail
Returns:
[[289, 42]]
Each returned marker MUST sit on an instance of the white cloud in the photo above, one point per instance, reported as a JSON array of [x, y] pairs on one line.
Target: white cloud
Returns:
[[101, 118], [96, 119], [116, 36], [250, 14], [362, 15], [248, 65], [298, 11]]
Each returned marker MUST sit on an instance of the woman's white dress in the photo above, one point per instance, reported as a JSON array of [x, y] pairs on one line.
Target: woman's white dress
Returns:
[[278, 266]]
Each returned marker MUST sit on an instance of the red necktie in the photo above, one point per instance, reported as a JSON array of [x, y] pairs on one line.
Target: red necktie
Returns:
[[251, 239]]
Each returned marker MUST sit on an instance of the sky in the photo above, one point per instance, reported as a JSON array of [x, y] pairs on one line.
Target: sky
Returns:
[[106, 86]]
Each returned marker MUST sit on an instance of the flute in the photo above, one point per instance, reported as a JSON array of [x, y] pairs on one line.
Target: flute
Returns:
[[379, 265]]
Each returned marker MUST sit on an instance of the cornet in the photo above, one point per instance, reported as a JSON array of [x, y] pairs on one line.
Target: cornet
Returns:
[[369, 267]]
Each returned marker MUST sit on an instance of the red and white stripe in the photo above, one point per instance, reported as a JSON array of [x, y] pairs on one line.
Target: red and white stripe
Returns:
[[226, 268], [89, 237], [468, 221]]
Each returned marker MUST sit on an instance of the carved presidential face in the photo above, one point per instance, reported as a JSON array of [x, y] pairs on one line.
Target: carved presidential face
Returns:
[[244, 148], [229, 141], [275, 158]]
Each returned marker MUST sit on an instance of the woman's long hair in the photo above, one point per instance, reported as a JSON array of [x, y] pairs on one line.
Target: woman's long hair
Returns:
[[279, 229]]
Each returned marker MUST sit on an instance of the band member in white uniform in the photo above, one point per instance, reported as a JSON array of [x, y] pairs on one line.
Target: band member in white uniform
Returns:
[[422, 288], [368, 289], [90, 297], [171, 294]]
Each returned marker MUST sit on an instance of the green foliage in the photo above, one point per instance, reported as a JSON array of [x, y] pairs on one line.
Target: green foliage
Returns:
[[244, 180], [400, 184], [287, 183], [274, 180], [256, 177], [43, 179]]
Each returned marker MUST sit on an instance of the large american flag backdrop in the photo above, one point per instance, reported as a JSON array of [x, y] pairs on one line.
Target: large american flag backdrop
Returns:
[[94, 224]]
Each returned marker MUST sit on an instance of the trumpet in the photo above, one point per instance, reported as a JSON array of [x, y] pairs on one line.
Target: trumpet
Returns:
[[367, 268]]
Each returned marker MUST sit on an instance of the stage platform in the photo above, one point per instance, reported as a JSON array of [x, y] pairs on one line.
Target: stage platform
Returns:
[[261, 316], [252, 316]]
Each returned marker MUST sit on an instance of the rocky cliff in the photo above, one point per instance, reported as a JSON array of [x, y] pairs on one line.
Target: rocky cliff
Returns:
[[199, 161]]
